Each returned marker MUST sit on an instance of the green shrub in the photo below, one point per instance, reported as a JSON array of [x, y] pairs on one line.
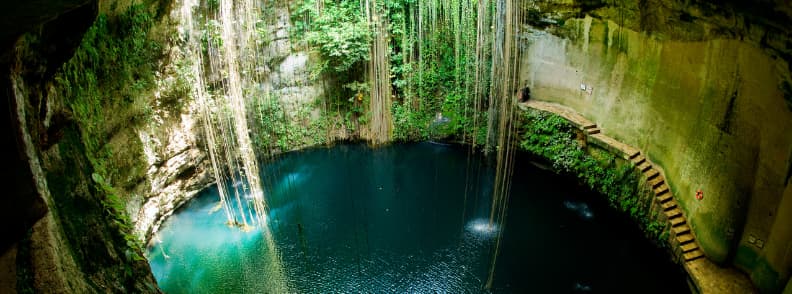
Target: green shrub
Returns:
[[552, 137], [340, 32]]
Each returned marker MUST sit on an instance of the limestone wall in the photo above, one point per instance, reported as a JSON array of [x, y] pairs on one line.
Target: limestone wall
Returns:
[[176, 157], [710, 112]]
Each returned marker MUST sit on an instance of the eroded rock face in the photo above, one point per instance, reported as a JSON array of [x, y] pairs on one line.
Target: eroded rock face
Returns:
[[177, 170], [292, 84], [74, 245], [177, 162]]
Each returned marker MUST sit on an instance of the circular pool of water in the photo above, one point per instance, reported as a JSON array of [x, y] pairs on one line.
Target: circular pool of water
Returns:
[[408, 218]]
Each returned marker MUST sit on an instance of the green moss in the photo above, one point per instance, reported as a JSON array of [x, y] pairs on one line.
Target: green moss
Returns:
[[276, 130], [712, 236], [786, 88], [552, 137], [75, 207], [24, 274], [766, 278], [745, 257], [763, 275], [104, 82], [104, 87], [605, 39]]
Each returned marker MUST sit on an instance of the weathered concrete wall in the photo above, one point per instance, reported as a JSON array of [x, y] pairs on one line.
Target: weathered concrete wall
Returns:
[[710, 112]]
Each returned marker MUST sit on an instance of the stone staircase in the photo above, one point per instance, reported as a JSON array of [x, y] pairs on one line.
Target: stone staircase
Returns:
[[679, 228], [663, 196]]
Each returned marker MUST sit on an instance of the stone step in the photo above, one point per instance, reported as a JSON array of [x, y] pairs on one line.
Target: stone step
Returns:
[[673, 212], [651, 173], [639, 159], [677, 221], [593, 131], [589, 126], [665, 197], [689, 247], [683, 229], [656, 182], [693, 255], [634, 154], [669, 205], [684, 238], [663, 188], [644, 166]]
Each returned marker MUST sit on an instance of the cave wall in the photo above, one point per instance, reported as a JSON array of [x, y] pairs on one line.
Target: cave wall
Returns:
[[79, 245], [702, 89], [143, 122], [710, 108], [177, 163]]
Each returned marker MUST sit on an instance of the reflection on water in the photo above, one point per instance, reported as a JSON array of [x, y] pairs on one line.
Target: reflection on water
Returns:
[[405, 218], [482, 228], [580, 208]]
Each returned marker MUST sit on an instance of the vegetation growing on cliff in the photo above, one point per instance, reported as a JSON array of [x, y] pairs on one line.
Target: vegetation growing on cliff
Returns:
[[278, 132], [432, 53], [551, 137], [108, 73], [102, 87], [339, 30]]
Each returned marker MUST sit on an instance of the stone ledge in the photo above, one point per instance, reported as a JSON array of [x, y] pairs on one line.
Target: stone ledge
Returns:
[[706, 277]]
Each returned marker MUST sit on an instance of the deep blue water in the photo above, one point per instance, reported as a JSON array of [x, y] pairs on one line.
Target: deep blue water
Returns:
[[408, 218]]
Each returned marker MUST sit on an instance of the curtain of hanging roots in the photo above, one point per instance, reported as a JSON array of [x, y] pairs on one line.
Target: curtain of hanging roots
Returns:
[[485, 56], [232, 50], [379, 76], [505, 57], [485, 53]]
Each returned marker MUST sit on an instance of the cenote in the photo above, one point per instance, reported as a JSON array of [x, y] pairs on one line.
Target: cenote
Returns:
[[408, 218]]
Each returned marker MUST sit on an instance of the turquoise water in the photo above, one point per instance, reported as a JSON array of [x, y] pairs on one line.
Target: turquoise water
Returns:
[[407, 218]]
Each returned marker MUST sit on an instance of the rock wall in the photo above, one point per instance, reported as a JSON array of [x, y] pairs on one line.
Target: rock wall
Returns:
[[711, 109], [177, 167], [75, 246], [177, 162]]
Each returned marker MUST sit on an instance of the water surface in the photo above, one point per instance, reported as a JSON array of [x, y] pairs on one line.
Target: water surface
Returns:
[[408, 218]]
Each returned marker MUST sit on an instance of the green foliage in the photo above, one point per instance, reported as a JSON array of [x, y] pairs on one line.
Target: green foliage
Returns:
[[552, 137], [109, 71], [340, 31], [277, 131], [212, 5], [398, 18], [355, 107], [24, 266], [433, 60], [212, 35], [409, 125], [115, 208], [262, 32], [104, 86], [175, 90], [655, 228], [430, 74]]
